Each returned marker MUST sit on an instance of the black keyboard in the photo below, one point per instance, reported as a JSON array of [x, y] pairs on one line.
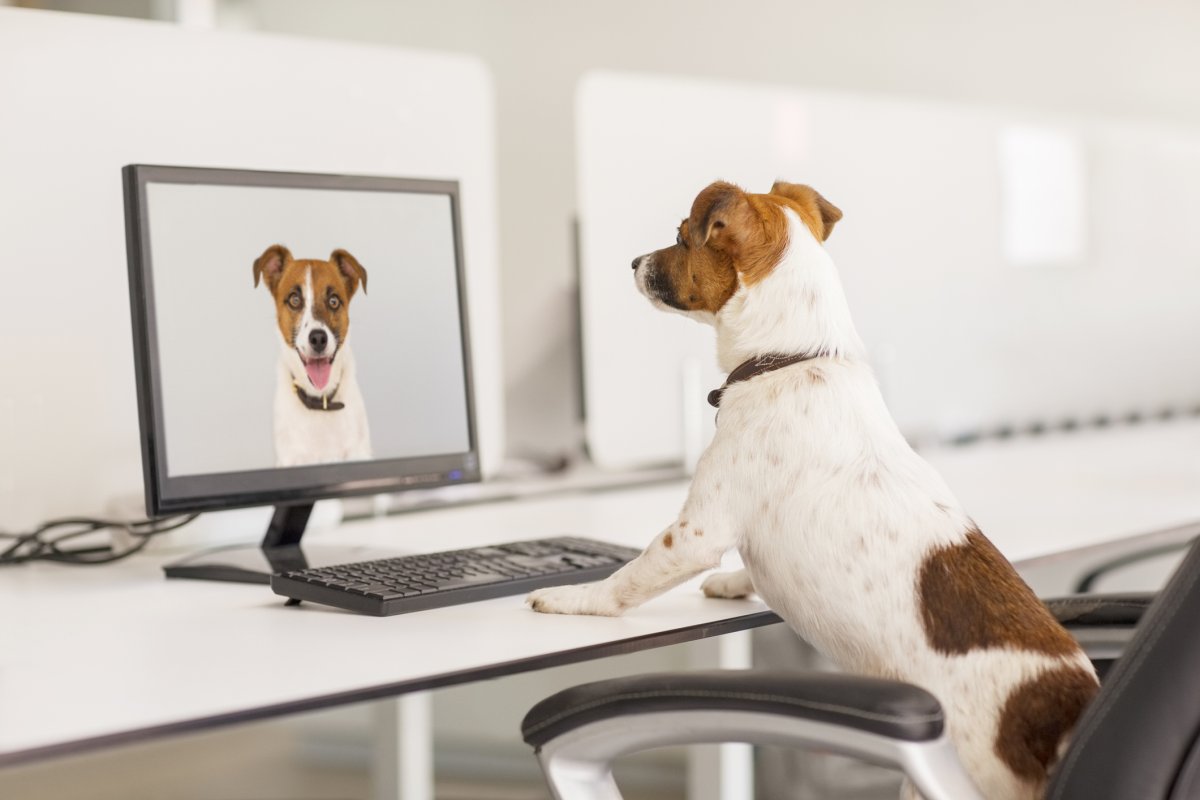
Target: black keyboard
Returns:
[[432, 580]]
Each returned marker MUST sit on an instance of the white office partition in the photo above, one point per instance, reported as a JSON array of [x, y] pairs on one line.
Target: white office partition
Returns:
[[81, 96], [1004, 268]]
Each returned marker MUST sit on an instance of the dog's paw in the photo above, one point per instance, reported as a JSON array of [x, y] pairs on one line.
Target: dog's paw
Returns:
[[729, 585], [582, 599]]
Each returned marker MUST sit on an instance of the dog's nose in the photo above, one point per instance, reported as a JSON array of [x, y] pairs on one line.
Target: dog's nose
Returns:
[[317, 340], [636, 261]]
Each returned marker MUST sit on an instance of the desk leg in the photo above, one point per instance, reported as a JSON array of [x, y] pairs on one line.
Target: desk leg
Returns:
[[402, 764], [726, 771]]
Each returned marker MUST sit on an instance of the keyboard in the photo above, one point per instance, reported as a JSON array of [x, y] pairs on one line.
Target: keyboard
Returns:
[[431, 580]]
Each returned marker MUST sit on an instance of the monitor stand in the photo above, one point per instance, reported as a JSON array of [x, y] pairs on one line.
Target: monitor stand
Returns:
[[280, 551]]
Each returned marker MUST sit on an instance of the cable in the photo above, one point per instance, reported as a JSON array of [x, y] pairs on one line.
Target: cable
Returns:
[[44, 543]]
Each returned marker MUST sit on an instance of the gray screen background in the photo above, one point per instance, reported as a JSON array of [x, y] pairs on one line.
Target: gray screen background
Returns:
[[219, 345]]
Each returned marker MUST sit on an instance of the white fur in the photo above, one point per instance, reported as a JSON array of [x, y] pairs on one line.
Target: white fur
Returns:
[[831, 510], [305, 436]]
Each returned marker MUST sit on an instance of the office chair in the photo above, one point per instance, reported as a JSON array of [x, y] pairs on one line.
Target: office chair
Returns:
[[1138, 740]]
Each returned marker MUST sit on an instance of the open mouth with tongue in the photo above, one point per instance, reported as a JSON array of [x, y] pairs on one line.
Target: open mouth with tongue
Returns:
[[318, 370]]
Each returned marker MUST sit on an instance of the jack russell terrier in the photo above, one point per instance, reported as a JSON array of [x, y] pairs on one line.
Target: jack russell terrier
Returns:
[[845, 532], [319, 411]]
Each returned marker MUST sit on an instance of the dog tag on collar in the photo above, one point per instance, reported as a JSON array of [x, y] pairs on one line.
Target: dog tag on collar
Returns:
[[321, 403]]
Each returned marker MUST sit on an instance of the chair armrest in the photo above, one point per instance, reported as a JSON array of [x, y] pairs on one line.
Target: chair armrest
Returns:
[[888, 708], [1103, 624], [578, 732], [1100, 610]]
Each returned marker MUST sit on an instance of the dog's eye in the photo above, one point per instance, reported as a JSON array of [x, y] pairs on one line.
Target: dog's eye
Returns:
[[295, 300], [335, 302]]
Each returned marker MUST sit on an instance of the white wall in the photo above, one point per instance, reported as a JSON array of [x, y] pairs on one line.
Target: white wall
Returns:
[[996, 268], [1117, 58]]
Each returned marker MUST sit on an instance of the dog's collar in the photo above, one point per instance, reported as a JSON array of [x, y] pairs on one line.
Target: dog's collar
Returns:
[[757, 366], [322, 403]]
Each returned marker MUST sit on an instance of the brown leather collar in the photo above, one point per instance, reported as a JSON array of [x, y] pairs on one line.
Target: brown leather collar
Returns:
[[322, 403], [757, 366]]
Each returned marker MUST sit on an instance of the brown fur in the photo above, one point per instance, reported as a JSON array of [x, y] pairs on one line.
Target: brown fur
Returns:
[[334, 283], [1038, 715], [971, 597], [668, 539], [730, 233]]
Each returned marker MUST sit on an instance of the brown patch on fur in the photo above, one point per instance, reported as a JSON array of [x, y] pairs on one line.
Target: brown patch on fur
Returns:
[[699, 532], [668, 539], [730, 233], [1036, 717], [683, 523], [818, 214], [972, 598]]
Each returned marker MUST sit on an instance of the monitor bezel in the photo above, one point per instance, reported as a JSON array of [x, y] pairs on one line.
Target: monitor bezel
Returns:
[[166, 494]]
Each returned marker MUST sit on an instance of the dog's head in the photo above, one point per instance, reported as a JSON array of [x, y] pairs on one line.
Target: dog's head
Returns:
[[729, 238], [312, 304]]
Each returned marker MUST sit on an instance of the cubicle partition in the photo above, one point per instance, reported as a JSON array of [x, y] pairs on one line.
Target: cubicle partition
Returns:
[[1008, 270]]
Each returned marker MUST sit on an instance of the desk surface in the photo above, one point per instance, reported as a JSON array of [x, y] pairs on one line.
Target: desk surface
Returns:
[[95, 656]]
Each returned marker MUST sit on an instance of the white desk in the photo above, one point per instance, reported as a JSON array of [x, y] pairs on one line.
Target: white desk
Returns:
[[125, 654], [96, 656]]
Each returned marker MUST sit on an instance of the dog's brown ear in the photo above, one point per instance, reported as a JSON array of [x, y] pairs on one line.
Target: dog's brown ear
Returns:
[[716, 212], [352, 271], [821, 214], [269, 266]]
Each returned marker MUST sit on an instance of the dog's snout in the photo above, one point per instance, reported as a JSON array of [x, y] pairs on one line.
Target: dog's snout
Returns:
[[636, 262], [317, 340]]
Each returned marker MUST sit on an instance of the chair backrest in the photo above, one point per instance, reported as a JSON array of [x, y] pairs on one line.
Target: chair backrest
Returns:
[[1139, 738]]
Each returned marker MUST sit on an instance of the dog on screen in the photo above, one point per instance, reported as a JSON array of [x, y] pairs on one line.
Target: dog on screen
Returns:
[[844, 530], [320, 416]]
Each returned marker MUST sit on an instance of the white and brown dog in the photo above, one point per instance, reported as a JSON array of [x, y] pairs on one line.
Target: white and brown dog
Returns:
[[845, 532], [319, 412]]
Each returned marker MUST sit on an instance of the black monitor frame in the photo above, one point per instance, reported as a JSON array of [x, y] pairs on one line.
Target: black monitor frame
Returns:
[[288, 486]]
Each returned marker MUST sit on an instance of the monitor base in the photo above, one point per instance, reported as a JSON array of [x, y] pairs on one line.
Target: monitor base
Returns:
[[280, 551], [253, 564]]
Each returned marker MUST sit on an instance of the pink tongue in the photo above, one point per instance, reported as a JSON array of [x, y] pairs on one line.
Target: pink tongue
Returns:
[[318, 372]]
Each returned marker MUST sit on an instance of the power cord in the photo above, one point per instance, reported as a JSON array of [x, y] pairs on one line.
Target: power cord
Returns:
[[45, 542]]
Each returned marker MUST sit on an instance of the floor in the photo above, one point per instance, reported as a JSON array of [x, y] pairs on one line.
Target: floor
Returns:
[[274, 761]]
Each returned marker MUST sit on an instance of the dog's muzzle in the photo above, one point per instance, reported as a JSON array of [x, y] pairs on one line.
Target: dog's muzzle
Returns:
[[642, 266]]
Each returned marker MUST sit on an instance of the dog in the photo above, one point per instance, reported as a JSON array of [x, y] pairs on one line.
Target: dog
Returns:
[[320, 416], [844, 530]]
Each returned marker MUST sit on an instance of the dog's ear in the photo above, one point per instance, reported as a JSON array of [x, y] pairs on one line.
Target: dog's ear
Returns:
[[352, 271], [269, 266], [716, 212], [821, 213]]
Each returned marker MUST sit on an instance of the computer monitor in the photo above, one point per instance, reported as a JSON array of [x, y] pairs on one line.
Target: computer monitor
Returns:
[[296, 337]]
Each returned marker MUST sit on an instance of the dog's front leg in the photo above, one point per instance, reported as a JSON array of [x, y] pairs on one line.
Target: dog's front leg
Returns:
[[728, 584], [693, 543], [682, 551]]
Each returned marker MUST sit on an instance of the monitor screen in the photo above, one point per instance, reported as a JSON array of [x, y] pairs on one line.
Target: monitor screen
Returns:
[[297, 336]]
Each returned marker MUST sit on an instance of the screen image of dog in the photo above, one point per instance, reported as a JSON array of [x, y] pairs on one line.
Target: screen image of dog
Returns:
[[319, 413], [844, 530]]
